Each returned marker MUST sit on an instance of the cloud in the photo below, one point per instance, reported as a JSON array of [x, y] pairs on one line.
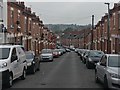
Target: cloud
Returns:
[[69, 12]]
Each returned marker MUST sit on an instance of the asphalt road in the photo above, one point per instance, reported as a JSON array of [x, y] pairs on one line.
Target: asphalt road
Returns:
[[67, 71]]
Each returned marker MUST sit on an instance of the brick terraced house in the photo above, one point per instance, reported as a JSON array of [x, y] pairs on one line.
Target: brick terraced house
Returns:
[[100, 32], [24, 27], [100, 37]]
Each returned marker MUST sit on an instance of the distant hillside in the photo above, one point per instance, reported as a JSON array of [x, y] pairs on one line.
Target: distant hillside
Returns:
[[57, 28]]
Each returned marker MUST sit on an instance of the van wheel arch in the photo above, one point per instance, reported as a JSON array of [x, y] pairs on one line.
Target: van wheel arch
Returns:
[[9, 83]]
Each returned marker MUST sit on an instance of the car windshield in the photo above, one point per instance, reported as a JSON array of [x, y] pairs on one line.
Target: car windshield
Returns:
[[47, 51], [96, 54], [29, 56], [114, 61], [4, 53]]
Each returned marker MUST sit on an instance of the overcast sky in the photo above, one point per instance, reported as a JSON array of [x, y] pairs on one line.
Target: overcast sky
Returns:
[[69, 12]]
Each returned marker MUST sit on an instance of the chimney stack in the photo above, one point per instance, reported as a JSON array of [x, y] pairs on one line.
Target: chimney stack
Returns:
[[22, 3], [29, 10], [33, 13]]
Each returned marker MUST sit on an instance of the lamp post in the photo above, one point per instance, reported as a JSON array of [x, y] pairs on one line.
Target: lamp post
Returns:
[[108, 29], [92, 32], [84, 39]]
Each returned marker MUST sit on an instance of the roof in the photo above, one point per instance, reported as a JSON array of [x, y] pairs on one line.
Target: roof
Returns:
[[112, 54], [9, 46]]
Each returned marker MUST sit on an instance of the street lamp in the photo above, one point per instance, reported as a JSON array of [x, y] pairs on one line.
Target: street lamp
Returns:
[[91, 47], [108, 29]]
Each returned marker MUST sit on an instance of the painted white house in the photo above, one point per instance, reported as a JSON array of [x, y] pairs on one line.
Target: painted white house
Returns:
[[3, 20]]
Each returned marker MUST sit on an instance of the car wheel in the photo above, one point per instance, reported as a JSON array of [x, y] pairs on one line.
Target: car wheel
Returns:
[[105, 83], [84, 61], [51, 60], [38, 69], [96, 77], [88, 65], [33, 69], [10, 81], [24, 74]]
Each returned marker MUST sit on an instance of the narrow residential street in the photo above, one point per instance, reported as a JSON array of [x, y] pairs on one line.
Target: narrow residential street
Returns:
[[59, 43], [67, 71]]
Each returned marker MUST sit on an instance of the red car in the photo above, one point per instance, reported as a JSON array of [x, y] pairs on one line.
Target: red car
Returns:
[[56, 53]]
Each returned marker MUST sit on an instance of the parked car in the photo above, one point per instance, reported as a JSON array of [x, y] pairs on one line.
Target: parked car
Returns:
[[61, 51], [108, 71], [82, 53], [68, 50], [76, 50], [46, 55], [93, 57], [55, 53], [12, 63], [33, 62], [84, 57]]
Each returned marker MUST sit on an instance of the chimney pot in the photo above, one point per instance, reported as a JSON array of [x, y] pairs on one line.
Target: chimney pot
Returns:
[[22, 3], [33, 13]]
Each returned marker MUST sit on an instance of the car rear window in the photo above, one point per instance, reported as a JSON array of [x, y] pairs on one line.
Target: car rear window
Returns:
[[96, 53], [46, 51], [29, 56]]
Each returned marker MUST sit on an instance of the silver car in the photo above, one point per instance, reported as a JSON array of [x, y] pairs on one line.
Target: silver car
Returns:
[[108, 71], [46, 55]]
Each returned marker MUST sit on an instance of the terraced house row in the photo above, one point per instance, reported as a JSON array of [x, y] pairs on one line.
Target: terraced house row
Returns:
[[100, 36], [24, 27], [97, 38]]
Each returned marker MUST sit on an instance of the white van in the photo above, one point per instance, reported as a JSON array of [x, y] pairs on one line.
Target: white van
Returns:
[[12, 63]]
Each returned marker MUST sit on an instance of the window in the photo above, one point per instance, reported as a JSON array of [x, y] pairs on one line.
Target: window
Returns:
[[18, 21], [113, 43], [113, 61], [29, 55], [14, 51], [18, 15], [4, 53], [13, 54], [103, 60], [20, 51], [30, 23], [119, 20], [25, 24], [12, 18]]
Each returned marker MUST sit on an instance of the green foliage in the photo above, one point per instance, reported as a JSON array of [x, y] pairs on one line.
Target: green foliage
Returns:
[[60, 28]]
